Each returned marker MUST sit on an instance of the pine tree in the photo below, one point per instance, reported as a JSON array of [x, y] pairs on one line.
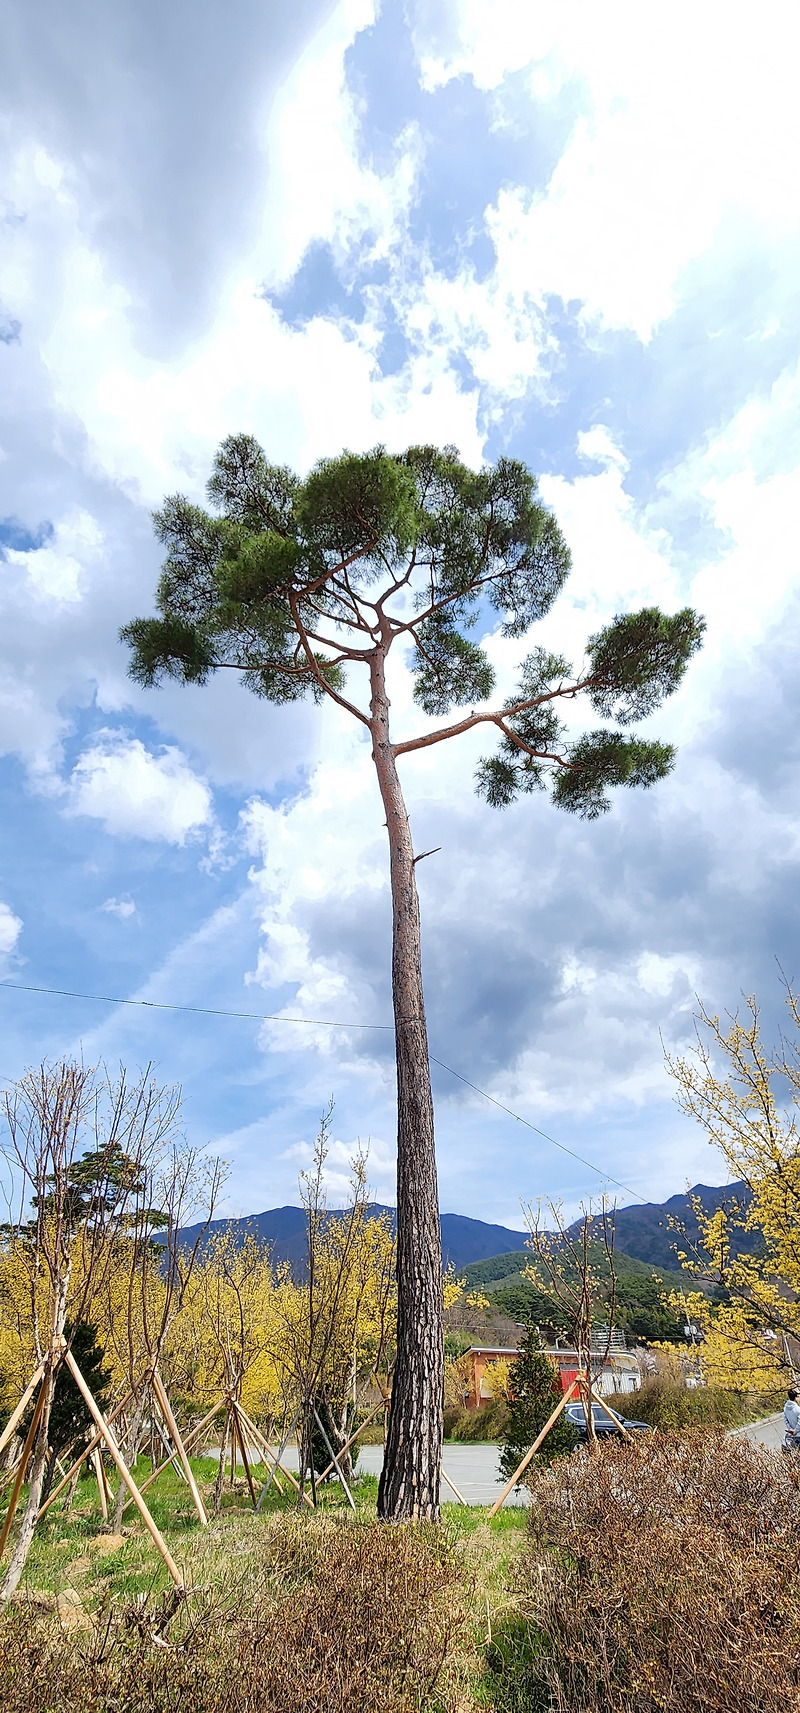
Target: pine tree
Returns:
[[304, 586], [535, 1390]]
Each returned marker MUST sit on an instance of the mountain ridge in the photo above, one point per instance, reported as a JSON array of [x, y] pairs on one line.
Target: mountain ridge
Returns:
[[642, 1231]]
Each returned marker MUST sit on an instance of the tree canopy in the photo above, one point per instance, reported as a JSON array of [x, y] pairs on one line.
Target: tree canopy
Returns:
[[290, 582]]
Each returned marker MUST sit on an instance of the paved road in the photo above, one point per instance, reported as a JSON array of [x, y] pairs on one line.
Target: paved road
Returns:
[[768, 1432], [474, 1467]]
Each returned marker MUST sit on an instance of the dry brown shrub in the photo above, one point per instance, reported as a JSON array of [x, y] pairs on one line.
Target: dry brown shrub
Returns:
[[344, 1618], [661, 1575]]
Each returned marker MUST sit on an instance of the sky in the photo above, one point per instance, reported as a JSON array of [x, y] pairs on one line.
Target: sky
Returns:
[[570, 234]]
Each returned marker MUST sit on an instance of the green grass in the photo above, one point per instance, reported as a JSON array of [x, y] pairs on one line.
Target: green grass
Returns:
[[69, 1551]]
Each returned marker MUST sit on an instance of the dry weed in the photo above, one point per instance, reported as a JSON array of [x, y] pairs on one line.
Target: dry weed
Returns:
[[340, 1618], [660, 1576]]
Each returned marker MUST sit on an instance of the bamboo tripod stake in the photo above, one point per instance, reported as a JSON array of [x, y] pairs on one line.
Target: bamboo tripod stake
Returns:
[[101, 1482], [104, 1433], [238, 1434], [22, 1466], [350, 1499], [546, 1429], [453, 1488], [87, 1452], [11, 1425], [263, 1445], [108, 1435], [353, 1437], [189, 1440], [534, 1448], [166, 1411], [260, 1443], [607, 1407]]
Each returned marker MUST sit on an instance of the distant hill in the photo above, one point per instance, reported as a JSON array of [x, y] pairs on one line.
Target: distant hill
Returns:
[[463, 1240], [641, 1232], [644, 1232], [639, 1309]]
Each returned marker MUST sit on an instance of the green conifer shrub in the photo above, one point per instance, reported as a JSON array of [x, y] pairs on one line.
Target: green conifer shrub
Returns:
[[536, 1389]]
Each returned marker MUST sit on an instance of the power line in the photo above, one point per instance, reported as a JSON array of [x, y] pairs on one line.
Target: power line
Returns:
[[526, 1121], [322, 1023], [198, 1010]]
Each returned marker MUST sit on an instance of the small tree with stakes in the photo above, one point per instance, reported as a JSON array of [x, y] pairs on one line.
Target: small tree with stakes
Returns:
[[305, 587]]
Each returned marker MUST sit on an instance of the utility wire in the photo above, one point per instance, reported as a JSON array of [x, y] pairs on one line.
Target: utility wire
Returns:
[[198, 1010], [526, 1121], [323, 1023]]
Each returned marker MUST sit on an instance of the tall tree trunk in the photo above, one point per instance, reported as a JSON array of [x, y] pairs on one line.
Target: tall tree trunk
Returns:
[[409, 1484]]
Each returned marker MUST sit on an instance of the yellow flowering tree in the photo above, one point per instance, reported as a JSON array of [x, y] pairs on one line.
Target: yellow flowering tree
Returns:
[[222, 1343], [745, 1096]]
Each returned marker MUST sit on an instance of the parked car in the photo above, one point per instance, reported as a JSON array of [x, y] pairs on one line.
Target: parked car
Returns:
[[604, 1422]]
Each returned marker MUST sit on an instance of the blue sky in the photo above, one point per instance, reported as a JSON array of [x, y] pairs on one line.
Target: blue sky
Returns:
[[558, 232]]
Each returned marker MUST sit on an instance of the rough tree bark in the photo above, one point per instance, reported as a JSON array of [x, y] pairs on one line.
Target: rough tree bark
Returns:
[[409, 1484]]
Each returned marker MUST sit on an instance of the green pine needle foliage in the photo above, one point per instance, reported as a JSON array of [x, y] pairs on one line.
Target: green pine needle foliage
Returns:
[[536, 1389], [298, 585]]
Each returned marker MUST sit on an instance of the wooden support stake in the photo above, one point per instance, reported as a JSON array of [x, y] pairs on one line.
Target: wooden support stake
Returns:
[[233, 1450], [189, 1440], [351, 1500], [272, 1457], [109, 1492], [607, 1407], [255, 1434], [87, 1452], [165, 1442], [453, 1488], [354, 1436], [275, 1460], [584, 1389], [243, 1449], [534, 1448], [23, 1464], [109, 1437], [101, 1482], [166, 1410], [11, 1425]]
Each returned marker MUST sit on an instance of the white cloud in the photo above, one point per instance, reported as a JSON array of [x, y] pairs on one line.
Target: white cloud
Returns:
[[380, 1160], [599, 447], [318, 189], [685, 119], [139, 795], [57, 572], [153, 426], [10, 929], [323, 845], [121, 907], [659, 975]]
